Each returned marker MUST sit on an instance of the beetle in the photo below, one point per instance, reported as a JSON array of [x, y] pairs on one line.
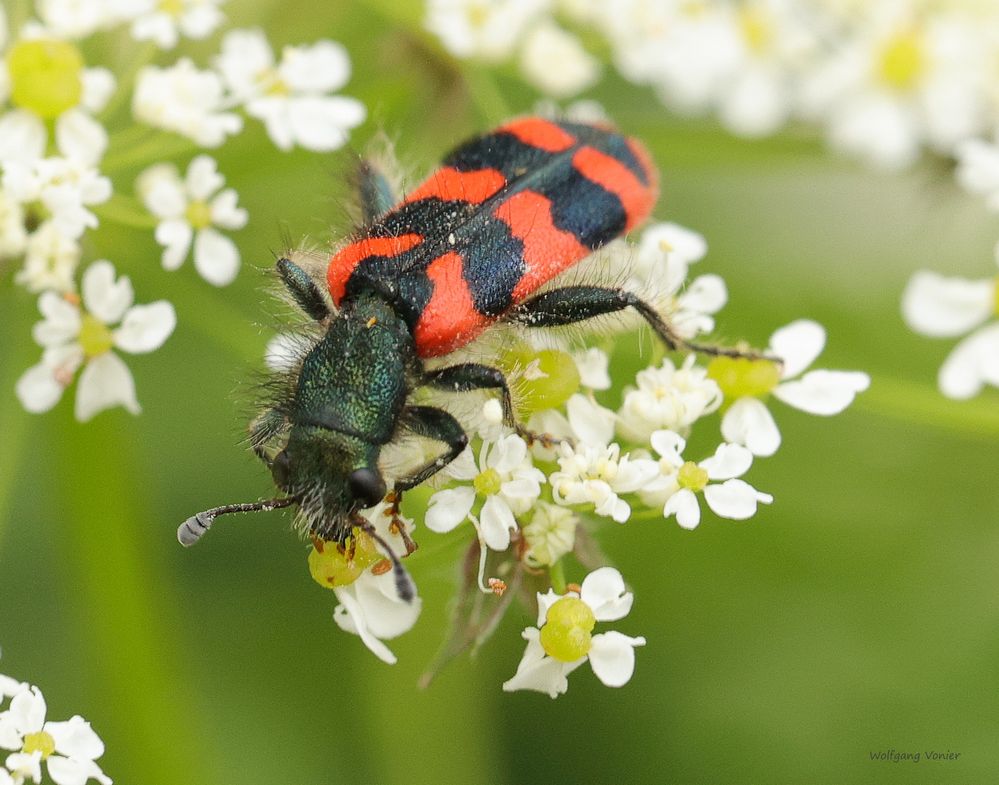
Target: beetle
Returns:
[[470, 247]]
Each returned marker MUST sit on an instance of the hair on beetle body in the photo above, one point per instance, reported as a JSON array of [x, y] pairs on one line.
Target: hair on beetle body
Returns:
[[489, 238]]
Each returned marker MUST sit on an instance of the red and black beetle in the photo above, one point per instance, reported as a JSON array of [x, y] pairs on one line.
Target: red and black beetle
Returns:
[[471, 246]]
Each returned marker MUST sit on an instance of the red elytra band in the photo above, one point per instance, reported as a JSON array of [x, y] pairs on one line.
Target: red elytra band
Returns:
[[449, 319], [344, 261]]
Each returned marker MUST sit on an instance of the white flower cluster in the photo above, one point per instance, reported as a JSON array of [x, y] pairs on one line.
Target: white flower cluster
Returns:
[[67, 751], [525, 496], [944, 307], [57, 163], [883, 79]]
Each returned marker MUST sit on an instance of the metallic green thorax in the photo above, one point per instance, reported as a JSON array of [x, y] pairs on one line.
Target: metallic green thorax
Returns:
[[350, 394]]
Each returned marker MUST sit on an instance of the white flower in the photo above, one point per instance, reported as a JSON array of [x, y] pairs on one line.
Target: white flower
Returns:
[[661, 266], [490, 29], [63, 187], [77, 18], [943, 307], [50, 261], [978, 169], [75, 337], [550, 535], [680, 481], [504, 477], [556, 63], [13, 236], [370, 606], [667, 397], [596, 475], [69, 749], [292, 98], [43, 76], [820, 392], [185, 100], [562, 641], [189, 210], [901, 79], [164, 22]]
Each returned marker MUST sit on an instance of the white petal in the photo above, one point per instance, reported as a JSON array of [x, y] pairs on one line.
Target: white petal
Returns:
[[496, 522], [322, 124], [612, 657], [734, 499], [23, 765], [706, 294], [10, 738], [749, 422], [729, 460], [215, 257], [591, 422], [823, 392], [940, 307], [507, 454], [102, 295], [203, 178], [105, 382], [80, 137], [27, 710], [385, 614], [38, 390], [463, 467], [545, 601], [604, 591], [971, 364], [592, 366], [448, 508], [539, 672], [67, 771], [75, 738], [669, 445], [798, 344], [175, 234], [22, 136], [98, 87], [225, 212], [684, 505], [145, 327], [350, 617], [61, 323], [320, 68], [162, 191]]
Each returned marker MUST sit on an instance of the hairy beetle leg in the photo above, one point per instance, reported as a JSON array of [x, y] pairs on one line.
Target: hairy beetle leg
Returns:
[[571, 304], [398, 526]]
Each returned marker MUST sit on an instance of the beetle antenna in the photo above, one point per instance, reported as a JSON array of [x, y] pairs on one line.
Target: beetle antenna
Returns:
[[194, 528], [403, 583]]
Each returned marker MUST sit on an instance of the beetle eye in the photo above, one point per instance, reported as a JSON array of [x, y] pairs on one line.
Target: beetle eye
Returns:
[[281, 469], [366, 486]]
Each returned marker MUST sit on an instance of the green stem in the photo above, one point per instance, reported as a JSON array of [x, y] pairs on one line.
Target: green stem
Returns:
[[125, 210], [126, 73], [920, 404], [159, 147], [129, 601], [556, 574], [485, 94]]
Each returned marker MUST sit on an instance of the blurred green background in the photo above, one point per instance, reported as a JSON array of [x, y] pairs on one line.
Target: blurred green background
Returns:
[[857, 614]]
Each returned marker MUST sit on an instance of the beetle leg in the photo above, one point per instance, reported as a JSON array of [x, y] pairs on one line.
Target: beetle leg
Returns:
[[572, 304], [434, 424], [374, 192], [303, 289], [473, 376]]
